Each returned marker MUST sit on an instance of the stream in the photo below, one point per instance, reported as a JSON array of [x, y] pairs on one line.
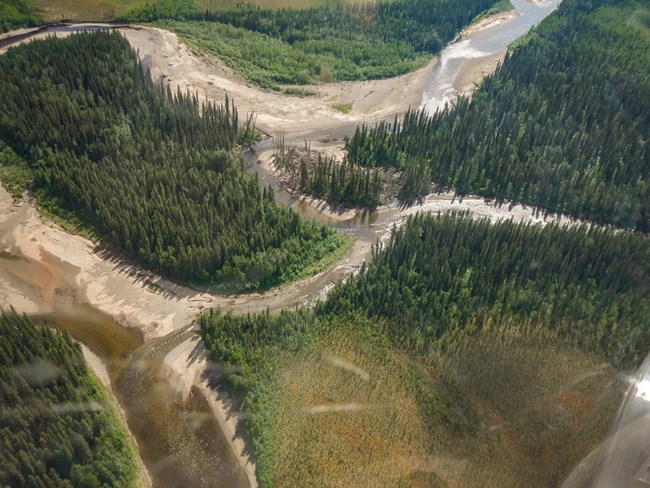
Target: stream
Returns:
[[181, 443]]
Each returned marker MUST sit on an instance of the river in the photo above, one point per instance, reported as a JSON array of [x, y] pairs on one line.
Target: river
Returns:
[[441, 87], [180, 442]]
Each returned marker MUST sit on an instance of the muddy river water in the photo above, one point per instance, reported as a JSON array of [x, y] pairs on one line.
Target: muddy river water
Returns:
[[181, 443]]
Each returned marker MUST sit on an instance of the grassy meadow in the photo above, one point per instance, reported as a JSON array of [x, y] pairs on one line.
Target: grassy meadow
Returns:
[[496, 408]]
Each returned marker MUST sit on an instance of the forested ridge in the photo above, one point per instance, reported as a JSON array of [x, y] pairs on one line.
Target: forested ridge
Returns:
[[156, 174], [299, 46], [448, 284], [563, 124], [57, 428]]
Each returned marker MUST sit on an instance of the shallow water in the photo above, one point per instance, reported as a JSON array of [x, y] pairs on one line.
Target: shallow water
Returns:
[[181, 443], [440, 89]]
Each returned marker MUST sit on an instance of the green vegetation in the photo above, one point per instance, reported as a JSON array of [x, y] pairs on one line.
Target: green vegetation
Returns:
[[327, 42], [441, 274], [364, 425], [324, 177], [54, 10], [16, 13], [298, 92], [163, 9], [157, 175], [406, 344], [498, 8], [562, 124], [332, 43], [57, 427], [344, 108], [342, 182], [85, 10], [15, 174]]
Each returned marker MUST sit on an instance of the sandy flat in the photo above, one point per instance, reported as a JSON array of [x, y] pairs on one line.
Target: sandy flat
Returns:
[[476, 69], [488, 23], [180, 66], [44, 267]]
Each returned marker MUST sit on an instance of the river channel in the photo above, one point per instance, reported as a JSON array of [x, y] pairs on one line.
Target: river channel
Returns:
[[181, 443]]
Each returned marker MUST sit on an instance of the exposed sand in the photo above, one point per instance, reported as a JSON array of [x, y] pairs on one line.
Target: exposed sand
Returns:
[[185, 366], [488, 23], [47, 267], [44, 267], [180, 66], [476, 69]]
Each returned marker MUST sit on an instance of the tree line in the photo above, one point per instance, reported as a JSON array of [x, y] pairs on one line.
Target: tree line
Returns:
[[439, 274], [563, 123], [156, 174], [57, 427]]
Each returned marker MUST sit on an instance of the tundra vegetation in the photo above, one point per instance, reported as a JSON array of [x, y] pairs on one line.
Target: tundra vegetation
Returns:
[[57, 425], [155, 175]]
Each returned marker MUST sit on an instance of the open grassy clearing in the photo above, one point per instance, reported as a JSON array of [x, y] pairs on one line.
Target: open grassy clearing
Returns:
[[501, 407], [543, 406], [342, 415]]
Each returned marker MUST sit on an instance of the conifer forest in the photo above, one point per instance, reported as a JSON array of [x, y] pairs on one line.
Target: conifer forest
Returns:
[[237, 250]]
